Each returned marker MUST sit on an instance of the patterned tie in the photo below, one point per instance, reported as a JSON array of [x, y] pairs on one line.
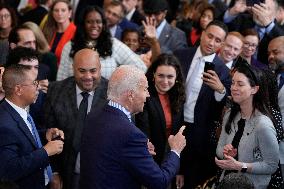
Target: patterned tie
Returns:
[[38, 142]]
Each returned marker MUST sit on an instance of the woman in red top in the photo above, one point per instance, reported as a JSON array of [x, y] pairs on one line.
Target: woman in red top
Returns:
[[162, 115], [58, 29]]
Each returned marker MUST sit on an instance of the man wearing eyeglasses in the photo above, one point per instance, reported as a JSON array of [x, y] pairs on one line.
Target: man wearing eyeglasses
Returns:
[[24, 159]]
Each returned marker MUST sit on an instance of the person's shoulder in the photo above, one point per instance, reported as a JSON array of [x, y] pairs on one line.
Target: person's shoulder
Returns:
[[61, 85], [262, 121]]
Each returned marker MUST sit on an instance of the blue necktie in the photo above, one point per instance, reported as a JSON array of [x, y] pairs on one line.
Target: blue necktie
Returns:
[[38, 142]]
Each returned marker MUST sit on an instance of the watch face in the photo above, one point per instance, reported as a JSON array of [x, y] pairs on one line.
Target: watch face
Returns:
[[244, 170]]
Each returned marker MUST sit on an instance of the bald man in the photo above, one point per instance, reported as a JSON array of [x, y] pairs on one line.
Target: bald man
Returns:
[[276, 62], [67, 104]]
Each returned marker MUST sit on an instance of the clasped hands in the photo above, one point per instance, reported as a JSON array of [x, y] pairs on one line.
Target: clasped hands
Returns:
[[229, 162]]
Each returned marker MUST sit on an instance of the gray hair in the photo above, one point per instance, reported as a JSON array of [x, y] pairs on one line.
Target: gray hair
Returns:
[[124, 78]]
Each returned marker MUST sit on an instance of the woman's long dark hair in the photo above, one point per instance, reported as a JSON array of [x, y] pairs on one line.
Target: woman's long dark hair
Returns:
[[260, 99], [177, 92], [103, 43], [207, 7]]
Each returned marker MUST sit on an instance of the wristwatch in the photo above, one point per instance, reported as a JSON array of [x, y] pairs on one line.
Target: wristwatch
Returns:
[[223, 91], [244, 168]]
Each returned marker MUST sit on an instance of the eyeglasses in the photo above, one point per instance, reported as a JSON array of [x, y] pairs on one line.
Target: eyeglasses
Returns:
[[6, 16], [247, 44], [35, 83]]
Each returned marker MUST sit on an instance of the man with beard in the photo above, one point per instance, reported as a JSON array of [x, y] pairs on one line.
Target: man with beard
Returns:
[[67, 104], [276, 63]]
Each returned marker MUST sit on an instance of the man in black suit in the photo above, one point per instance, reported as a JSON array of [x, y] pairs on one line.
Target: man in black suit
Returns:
[[132, 14], [205, 95], [67, 103]]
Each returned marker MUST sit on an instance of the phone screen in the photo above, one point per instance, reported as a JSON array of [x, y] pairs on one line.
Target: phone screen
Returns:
[[250, 3], [209, 66]]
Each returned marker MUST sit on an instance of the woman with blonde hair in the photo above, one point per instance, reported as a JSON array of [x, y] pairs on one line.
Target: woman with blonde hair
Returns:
[[58, 29], [42, 46]]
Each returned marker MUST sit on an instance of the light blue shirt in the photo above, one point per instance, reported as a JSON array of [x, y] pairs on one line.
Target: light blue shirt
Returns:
[[121, 108]]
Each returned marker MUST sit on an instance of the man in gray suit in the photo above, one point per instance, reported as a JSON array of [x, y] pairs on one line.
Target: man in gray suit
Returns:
[[276, 62], [67, 104], [170, 38]]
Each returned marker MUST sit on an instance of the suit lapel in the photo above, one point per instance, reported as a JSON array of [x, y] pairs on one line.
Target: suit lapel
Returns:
[[165, 34], [20, 123], [72, 101]]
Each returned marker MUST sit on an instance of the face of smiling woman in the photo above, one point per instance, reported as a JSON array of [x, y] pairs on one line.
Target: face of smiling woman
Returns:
[[241, 89], [165, 78]]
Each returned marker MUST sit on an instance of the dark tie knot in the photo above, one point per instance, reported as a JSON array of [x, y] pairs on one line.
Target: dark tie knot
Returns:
[[85, 95]]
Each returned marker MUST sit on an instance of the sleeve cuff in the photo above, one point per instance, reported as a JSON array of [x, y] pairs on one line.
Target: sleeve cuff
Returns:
[[174, 151]]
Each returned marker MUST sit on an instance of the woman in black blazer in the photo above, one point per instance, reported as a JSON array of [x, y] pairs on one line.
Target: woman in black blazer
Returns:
[[163, 111]]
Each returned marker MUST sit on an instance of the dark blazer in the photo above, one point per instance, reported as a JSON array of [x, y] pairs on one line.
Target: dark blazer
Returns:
[[61, 111], [126, 24], [200, 150], [206, 105], [114, 154], [35, 15], [153, 124], [21, 161], [172, 39], [137, 18]]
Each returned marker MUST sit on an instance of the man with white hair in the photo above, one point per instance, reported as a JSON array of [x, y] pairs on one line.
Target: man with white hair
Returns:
[[114, 153]]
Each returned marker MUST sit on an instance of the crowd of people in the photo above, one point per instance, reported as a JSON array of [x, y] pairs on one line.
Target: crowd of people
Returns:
[[141, 94]]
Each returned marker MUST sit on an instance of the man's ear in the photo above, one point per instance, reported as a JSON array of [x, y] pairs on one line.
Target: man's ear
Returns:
[[18, 90]]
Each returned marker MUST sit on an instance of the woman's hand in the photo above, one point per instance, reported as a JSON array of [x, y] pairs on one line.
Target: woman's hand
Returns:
[[229, 163], [229, 150]]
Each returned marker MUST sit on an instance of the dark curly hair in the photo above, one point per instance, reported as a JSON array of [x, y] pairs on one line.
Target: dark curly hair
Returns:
[[177, 92], [103, 42], [260, 99]]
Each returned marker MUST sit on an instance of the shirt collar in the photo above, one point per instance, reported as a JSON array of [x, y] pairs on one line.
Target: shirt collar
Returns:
[[208, 58], [121, 108], [160, 28], [130, 14], [23, 112], [79, 91]]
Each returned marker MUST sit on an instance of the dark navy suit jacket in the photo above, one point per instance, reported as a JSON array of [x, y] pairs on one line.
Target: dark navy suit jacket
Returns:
[[206, 105], [20, 159], [114, 154]]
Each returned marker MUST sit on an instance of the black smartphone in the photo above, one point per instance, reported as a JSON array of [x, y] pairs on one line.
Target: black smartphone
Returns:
[[209, 66], [250, 3], [57, 138]]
